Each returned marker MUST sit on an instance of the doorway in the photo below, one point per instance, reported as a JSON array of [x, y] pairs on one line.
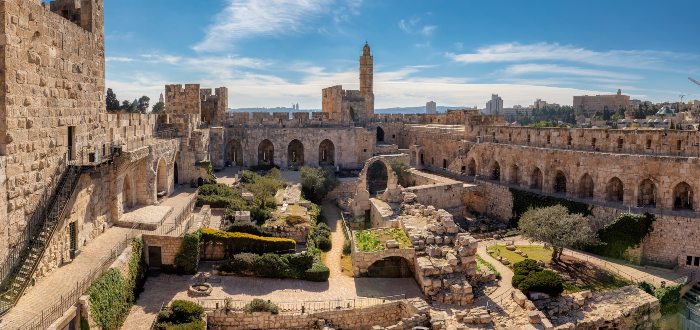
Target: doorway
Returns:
[[154, 257]]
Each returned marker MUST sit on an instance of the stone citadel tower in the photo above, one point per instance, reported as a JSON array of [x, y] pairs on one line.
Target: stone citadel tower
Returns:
[[353, 105], [367, 79]]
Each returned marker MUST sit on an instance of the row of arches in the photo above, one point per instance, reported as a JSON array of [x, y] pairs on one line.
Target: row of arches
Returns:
[[647, 196], [166, 178], [295, 153]]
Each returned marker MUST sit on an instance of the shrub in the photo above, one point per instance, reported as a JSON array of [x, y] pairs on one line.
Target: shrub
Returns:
[[669, 298], [272, 265], [243, 242], [402, 174], [269, 265], [248, 228], [524, 200], [323, 243], [259, 305], [347, 247], [187, 259], [260, 215], [184, 311], [648, 288], [545, 281], [526, 267], [317, 273]]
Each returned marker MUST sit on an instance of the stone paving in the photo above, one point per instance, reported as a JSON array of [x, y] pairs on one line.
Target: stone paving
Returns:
[[60, 282]]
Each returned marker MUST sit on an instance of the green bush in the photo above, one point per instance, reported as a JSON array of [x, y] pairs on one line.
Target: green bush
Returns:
[[669, 298], [324, 243], [347, 247], [269, 265], [648, 288], [402, 174], [187, 260], [111, 295], [545, 281], [259, 305], [183, 315], [526, 267], [316, 183], [248, 228], [242, 242], [317, 273]]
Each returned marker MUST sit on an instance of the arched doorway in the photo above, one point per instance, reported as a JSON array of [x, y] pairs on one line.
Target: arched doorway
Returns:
[[496, 171], [234, 153], [615, 191], [390, 267], [127, 194], [326, 153], [176, 179], [585, 186], [380, 134], [377, 177], [683, 197], [162, 177], [266, 153], [295, 154], [560, 183], [471, 167], [536, 179], [515, 174], [647, 194]]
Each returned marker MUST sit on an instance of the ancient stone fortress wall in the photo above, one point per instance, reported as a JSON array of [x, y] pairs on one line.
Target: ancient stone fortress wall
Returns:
[[438, 191], [54, 79], [214, 106], [283, 120], [401, 315], [342, 147]]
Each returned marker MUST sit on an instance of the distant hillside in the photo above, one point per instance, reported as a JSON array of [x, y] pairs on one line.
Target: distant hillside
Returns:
[[407, 110]]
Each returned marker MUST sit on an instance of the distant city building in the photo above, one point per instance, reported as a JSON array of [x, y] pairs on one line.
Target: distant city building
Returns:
[[589, 105], [539, 104], [695, 105], [431, 108], [494, 106], [516, 110]]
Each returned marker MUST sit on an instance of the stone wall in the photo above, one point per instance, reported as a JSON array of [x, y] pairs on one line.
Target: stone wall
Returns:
[[404, 314], [169, 247], [491, 199], [361, 261]]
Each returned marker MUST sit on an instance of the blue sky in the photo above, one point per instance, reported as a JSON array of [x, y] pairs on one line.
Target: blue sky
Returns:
[[278, 52]]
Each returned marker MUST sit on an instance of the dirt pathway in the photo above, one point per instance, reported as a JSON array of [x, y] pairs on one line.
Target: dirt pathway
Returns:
[[332, 215]]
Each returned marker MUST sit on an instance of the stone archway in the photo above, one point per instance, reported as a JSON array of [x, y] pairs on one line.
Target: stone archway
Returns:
[[471, 167], [560, 183], [536, 179], [496, 171], [683, 197], [390, 267], [377, 178], [380, 134], [615, 190], [266, 153], [586, 186], [326, 153], [392, 194], [234, 153], [514, 174], [647, 194], [295, 154], [162, 177]]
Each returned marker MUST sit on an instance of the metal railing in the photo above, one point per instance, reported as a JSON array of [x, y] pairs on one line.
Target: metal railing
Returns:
[[68, 300], [175, 228], [303, 307]]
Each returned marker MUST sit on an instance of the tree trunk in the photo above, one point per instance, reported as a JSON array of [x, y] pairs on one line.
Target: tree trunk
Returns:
[[556, 253]]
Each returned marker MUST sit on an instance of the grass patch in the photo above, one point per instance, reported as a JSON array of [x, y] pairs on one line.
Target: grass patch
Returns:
[[580, 275], [346, 265], [533, 252], [375, 239], [480, 262]]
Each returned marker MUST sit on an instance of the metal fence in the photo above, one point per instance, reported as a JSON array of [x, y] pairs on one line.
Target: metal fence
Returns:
[[176, 228], [68, 300], [302, 307]]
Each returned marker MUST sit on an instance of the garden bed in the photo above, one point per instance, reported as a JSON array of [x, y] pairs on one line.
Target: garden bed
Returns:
[[373, 240], [534, 252]]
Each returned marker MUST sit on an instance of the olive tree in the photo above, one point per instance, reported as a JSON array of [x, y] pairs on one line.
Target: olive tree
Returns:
[[556, 227]]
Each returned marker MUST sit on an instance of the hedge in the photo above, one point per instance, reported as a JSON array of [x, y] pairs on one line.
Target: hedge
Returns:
[[296, 266], [318, 272], [320, 237], [187, 260], [525, 200], [112, 295], [669, 297], [248, 228], [242, 242], [545, 281], [259, 305]]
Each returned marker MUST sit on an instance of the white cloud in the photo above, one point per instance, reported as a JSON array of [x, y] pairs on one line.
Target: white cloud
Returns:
[[428, 30], [413, 26], [523, 69], [516, 52], [249, 18], [119, 59]]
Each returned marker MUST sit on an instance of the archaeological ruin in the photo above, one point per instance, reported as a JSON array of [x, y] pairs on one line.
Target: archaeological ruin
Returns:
[[77, 184]]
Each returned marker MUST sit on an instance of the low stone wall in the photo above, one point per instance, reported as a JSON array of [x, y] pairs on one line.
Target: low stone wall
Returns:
[[169, 248], [298, 233], [361, 261], [442, 196], [345, 189], [490, 199], [624, 308], [386, 149], [404, 314]]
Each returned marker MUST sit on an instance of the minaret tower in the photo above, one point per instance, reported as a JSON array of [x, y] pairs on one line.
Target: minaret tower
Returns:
[[367, 79]]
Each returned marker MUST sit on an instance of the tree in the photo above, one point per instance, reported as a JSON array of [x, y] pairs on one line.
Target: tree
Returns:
[[556, 227], [158, 107], [112, 101], [401, 170], [126, 105], [143, 103], [316, 183]]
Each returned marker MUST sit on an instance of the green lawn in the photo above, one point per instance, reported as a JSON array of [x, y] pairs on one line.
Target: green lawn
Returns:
[[372, 240], [533, 252]]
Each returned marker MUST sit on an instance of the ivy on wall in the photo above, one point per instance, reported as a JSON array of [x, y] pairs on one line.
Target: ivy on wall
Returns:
[[112, 295], [626, 231], [187, 259], [525, 200]]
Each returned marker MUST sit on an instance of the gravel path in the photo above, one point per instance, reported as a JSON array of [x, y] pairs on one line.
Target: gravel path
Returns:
[[332, 215]]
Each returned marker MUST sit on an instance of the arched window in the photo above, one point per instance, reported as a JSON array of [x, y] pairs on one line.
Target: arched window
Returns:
[[585, 186], [295, 153], [496, 171], [536, 179], [647, 194], [326, 153], [683, 197], [380, 135], [615, 190], [234, 153], [266, 153], [560, 183]]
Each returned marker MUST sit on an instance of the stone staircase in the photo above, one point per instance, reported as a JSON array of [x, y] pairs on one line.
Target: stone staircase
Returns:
[[18, 279], [692, 297]]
